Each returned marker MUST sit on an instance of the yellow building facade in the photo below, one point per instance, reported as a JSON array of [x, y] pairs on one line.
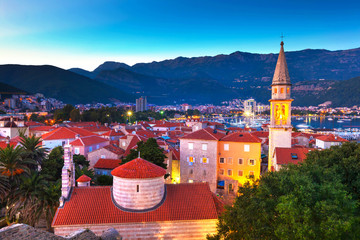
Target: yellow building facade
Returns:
[[239, 160]]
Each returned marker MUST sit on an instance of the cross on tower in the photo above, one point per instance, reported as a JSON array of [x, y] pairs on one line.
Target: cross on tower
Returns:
[[282, 37]]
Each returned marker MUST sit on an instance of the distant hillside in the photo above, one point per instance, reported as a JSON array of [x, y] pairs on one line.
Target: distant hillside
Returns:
[[340, 93], [60, 84], [6, 89], [222, 77]]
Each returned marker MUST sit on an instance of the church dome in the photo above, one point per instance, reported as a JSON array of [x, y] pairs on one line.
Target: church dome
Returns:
[[138, 186]]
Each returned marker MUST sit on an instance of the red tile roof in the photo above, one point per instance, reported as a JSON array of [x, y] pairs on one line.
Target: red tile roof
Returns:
[[114, 149], [81, 124], [93, 205], [3, 144], [32, 123], [66, 133], [138, 168], [261, 134], [112, 133], [88, 141], [331, 138], [83, 178], [42, 129], [205, 134], [107, 163], [241, 137], [285, 155], [98, 128]]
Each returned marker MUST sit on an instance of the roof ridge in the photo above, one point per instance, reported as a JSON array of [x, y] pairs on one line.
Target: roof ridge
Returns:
[[211, 134]]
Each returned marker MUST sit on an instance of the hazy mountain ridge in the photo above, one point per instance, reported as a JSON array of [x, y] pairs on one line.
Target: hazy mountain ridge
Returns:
[[60, 84]]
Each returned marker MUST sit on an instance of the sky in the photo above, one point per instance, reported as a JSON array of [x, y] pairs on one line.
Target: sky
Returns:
[[78, 33]]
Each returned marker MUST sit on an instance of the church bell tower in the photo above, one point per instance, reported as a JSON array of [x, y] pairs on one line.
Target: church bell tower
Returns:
[[280, 108]]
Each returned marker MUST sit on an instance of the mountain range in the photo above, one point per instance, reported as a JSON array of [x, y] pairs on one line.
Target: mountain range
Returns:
[[316, 75]]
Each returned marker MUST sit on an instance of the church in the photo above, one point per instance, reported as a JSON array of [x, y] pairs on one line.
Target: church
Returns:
[[139, 205]]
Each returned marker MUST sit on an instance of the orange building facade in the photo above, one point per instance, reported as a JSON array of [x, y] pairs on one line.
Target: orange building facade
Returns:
[[239, 160]]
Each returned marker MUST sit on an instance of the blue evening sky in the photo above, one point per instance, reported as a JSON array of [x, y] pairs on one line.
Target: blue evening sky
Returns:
[[77, 33]]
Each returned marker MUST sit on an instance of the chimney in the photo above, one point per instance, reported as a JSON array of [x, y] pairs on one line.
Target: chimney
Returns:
[[77, 136], [7, 141]]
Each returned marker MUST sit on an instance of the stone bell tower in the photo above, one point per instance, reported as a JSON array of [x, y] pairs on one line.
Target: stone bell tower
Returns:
[[280, 108]]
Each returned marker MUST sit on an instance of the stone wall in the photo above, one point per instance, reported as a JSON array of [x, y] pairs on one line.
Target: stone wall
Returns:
[[189, 230], [199, 172], [94, 156], [138, 194]]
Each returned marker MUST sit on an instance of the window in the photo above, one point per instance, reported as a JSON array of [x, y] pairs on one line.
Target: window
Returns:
[[281, 90], [229, 172], [288, 90], [230, 160], [137, 188], [191, 181], [204, 172], [222, 160], [77, 151], [221, 171], [226, 147], [251, 162], [103, 156], [90, 149], [294, 156], [204, 146], [63, 143], [191, 146], [191, 171], [97, 146], [204, 160], [123, 143], [251, 174], [240, 173], [191, 159], [246, 148], [275, 90], [241, 161]]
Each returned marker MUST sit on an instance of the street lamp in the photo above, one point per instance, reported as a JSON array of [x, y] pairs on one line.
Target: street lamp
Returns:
[[129, 113]]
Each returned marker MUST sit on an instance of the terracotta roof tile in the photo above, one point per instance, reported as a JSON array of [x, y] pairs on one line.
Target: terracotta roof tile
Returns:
[[241, 137], [107, 163], [83, 178], [291, 155], [205, 134], [331, 138], [88, 141], [93, 205], [66, 133], [115, 149], [138, 168]]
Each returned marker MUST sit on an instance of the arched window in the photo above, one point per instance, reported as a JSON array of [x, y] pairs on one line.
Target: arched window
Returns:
[[281, 90], [275, 90], [288, 90]]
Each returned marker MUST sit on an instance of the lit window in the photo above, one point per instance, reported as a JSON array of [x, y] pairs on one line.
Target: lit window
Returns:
[[77, 151], [246, 148], [204, 146], [221, 171], [241, 161], [240, 173], [275, 90], [204, 160], [288, 90], [191, 146], [222, 160], [251, 174], [226, 147], [229, 161], [229, 172], [191, 159], [281, 90], [191, 181], [251, 162]]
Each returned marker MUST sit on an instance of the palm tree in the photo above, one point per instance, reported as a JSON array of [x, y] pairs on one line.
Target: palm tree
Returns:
[[11, 162], [33, 149], [4, 187]]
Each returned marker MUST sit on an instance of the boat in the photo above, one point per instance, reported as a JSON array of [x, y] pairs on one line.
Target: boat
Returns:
[[330, 119], [340, 121], [302, 125]]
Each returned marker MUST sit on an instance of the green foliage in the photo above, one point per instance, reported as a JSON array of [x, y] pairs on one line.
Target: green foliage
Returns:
[[146, 115], [104, 115], [149, 151], [52, 165], [75, 115], [32, 149], [80, 160], [79, 171], [104, 180], [191, 112], [318, 199]]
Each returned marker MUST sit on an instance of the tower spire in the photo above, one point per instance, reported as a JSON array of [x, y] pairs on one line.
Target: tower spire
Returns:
[[281, 74]]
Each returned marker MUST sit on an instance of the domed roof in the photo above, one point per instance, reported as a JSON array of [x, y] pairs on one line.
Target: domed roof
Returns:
[[138, 168], [83, 178]]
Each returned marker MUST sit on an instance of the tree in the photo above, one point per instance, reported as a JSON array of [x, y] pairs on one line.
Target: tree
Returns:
[[104, 180], [149, 151], [11, 162], [32, 149], [318, 199], [80, 160], [79, 171], [53, 164], [75, 115]]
